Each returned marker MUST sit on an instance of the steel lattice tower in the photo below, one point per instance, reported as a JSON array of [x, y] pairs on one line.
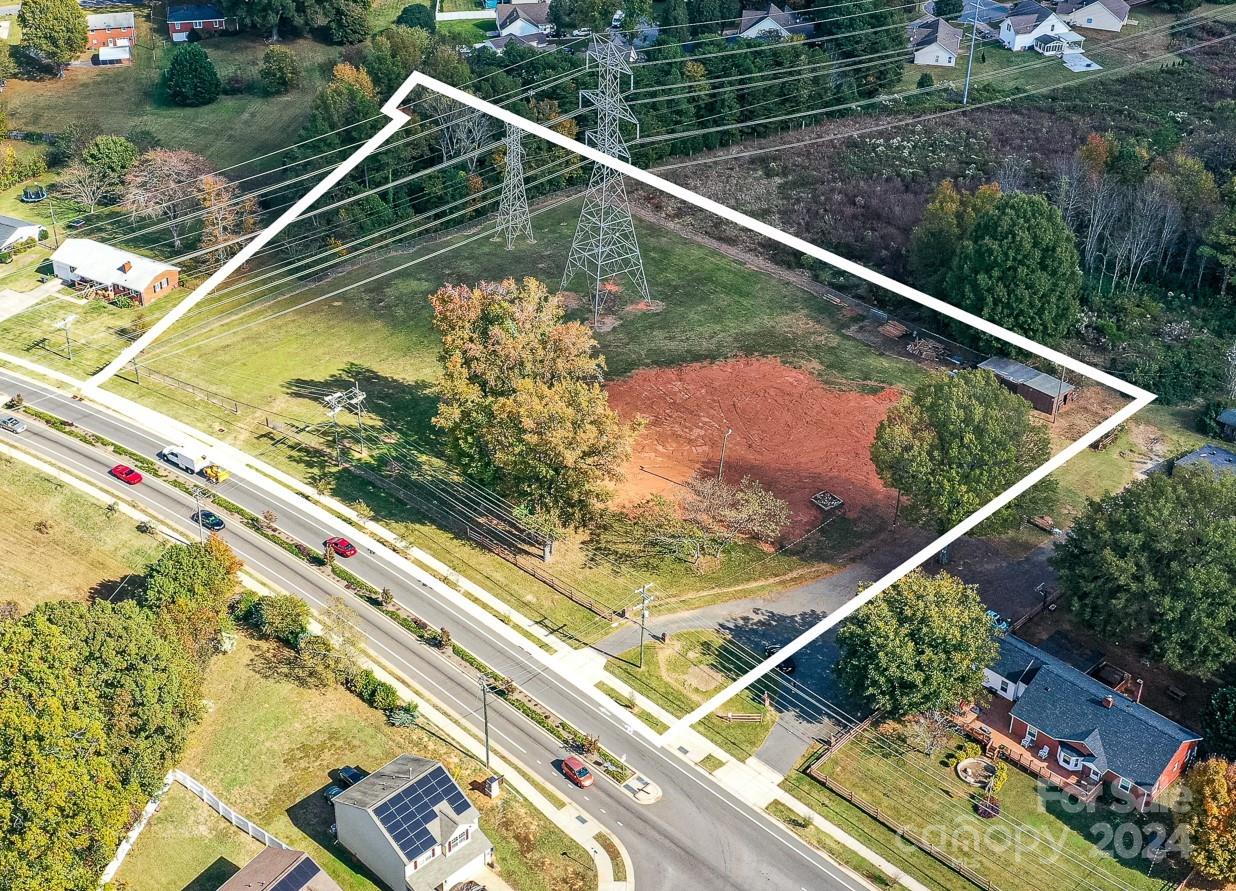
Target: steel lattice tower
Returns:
[[605, 246], [513, 217]]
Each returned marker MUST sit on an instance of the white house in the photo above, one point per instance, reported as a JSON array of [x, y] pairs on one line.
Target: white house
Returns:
[[1032, 26], [14, 231], [95, 265], [772, 23], [498, 44], [934, 41], [1100, 15], [413, 827], [523, 19]]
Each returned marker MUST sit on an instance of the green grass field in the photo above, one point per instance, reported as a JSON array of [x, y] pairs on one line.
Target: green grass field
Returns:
[[266, 746], [1038, 842], [676, 676], [45, 523], [124, 99]]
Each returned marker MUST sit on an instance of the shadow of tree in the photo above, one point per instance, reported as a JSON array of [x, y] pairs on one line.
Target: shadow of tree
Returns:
[[116, 590]]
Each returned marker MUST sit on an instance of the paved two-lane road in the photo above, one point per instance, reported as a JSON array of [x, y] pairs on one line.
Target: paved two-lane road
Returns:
[[697, 837]]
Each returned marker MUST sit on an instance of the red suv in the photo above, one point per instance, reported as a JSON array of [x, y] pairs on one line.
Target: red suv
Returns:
[[126, 474], [577, 772], [341, 546]]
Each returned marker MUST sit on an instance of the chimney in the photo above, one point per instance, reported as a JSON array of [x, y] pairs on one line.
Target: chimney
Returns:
[[1137, 696], [126, 266], [1108, 701]]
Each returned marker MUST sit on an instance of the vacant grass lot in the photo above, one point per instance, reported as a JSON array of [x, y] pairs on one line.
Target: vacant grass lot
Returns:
[[683, 672], [46, 523], [125, 99], [1037, 842], [266, 746]]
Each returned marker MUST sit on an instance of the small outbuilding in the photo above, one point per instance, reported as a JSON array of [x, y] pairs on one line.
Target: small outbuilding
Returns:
[[1046, 393], [1218, 459], [1227, 424], [14, 231]]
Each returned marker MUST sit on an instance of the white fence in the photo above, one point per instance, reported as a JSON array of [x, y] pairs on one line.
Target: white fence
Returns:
[[212, 801]]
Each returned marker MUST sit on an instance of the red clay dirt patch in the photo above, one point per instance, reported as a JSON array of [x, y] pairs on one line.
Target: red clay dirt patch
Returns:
[[791, 433]]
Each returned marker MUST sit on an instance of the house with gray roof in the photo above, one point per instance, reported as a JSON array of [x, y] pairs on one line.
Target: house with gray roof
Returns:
[[771, 22], [1031, 25], [281, 869], [523, 19], [14, 231], [1097, 15], [1088, 733], [1220, 460], [413, 827], [1046, 393], [934, 41]]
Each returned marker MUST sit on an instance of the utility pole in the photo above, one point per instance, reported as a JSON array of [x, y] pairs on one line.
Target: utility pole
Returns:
[[55, 231], [485, 713], [64, 325], [605, 246], [644, 600], [336, 402], [965, 96], [721, 467], [197, 494], [513, 217]]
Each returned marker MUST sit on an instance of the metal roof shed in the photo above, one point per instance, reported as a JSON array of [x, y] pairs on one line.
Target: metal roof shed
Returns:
[[1044, 392]]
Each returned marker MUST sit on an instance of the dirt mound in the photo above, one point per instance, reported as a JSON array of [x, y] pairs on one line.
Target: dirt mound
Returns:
[[791, 432]]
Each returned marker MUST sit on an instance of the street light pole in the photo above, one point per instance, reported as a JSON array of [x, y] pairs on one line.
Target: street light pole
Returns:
[[64, 325], [197, 503], [485, 714], [644, 600]]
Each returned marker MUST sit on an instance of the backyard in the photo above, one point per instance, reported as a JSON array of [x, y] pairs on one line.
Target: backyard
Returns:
[[266, 746], [1038, 840]]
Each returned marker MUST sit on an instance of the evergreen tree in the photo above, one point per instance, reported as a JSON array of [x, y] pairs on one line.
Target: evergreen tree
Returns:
[[418, 15], [191, 79]]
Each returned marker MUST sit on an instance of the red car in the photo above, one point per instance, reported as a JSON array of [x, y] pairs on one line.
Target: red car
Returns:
[[126, 474], [341, 546], [577, 772]]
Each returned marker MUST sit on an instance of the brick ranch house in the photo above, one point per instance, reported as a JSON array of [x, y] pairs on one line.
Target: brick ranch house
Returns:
[[1075, 731], [92, 265], [110, 29], [204, 18]]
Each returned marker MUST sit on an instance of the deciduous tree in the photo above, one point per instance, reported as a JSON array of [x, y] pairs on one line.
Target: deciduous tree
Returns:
[[920, 646], [1019, 269], [84, 185], [1210, 818], [1156, 562], [280, 71], [1219, 723], [53, 31], [955, 444], [166, 185]]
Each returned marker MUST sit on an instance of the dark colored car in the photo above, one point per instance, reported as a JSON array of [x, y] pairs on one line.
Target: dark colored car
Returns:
[[78, 223], [350, 776], [786, 666], [210, 520], [341, 546], [126, 474], [577, 772], [330, 792]]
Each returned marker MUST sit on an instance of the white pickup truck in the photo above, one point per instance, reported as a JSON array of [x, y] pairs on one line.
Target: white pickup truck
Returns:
[[193, 461]]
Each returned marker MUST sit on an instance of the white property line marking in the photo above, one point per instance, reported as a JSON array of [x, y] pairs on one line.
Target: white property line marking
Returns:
[[1141, 398]]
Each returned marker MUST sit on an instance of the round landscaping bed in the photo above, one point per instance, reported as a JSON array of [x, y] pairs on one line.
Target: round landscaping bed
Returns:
[[977, 772]]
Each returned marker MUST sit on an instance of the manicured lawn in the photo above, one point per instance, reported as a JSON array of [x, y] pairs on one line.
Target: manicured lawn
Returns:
[[825, 842], [468, 30], [685, 671], [265, 747], [124, 99], [1038, 841], [382, 13], [460, 5], [45, 523]]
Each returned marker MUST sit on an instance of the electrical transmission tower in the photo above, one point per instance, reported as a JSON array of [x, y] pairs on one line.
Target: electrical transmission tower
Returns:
[[605, 246], [346, 400], [513, 217]]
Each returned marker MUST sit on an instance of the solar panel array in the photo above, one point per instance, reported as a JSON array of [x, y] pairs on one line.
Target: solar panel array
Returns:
[[408, 814], [300, 876]]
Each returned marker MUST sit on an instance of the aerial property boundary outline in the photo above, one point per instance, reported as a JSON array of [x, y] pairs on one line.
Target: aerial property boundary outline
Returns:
[[1139, 398]]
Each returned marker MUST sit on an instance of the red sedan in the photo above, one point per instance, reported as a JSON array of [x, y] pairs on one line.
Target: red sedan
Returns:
[[126, 474], [577, 772], [341, 547]]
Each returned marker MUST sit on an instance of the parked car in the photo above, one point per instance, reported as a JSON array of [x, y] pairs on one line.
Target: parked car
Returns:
[[351, 775], [126, 474], [341, 547], [786, 666], [582, 32], [209, 519], [577, 772], [12, 424], [331, 792]]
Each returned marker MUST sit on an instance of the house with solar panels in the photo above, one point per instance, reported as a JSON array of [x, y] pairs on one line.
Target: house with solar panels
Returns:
[[281, 869], [413, 827]]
